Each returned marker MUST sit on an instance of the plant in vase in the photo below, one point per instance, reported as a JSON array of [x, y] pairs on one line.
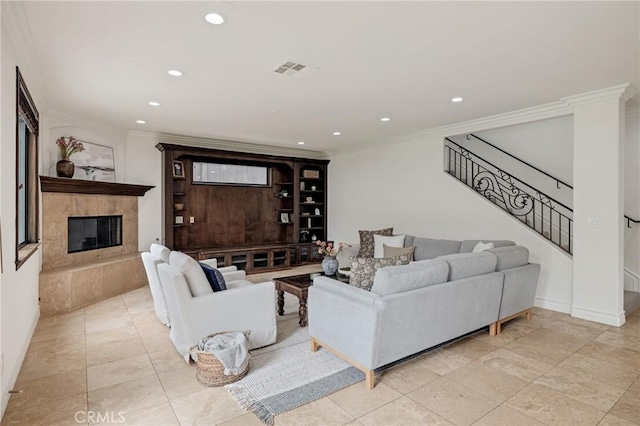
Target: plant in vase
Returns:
[[330, 251], [68, 146]]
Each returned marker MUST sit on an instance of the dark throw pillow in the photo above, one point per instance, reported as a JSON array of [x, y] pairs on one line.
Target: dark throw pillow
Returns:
[[363, 269], [215, 277], [367, 242]]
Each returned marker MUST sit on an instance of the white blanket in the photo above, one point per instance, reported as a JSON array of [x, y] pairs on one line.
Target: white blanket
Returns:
[[231, 349]]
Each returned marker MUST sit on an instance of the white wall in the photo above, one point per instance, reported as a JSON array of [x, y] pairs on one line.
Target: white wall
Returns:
[[632, 200], [403, 185], [19, 291]]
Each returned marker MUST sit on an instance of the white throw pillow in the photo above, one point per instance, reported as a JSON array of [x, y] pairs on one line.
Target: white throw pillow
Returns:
[[380, 240], [160, 251], [193, 273], [482, 247]]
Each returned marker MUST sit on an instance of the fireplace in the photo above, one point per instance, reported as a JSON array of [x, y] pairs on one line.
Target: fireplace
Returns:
[[94, 232]]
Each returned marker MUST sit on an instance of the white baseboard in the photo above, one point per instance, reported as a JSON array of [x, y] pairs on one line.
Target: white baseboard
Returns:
[[631, 281], [552, 305], [601, 317]]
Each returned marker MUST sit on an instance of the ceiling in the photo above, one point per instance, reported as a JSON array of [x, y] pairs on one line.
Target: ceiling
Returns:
[[105, 61]]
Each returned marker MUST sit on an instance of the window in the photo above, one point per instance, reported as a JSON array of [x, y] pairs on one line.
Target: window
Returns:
[[230, 174], [26, 172]]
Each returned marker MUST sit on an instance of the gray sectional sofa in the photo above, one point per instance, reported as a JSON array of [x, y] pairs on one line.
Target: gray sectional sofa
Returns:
[[447, 292]]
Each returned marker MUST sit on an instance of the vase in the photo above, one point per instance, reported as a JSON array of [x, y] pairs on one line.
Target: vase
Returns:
[[65, 168], [329, 265]]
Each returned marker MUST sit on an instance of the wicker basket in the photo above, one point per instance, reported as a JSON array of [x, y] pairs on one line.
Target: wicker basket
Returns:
[[210, 371]]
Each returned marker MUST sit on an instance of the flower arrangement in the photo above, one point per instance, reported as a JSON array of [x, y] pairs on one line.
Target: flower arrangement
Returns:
[[329, 249], [69, 146]]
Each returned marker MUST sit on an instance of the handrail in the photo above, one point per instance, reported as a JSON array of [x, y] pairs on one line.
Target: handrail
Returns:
[[513, 177], [629, 220], [558, 181]]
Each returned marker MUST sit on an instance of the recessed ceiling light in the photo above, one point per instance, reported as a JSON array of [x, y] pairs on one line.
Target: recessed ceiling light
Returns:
[[336, 133], [457, 99], [300, 143], [175, 73], [153, 103], [385, 119], [141, 122], [214, 18]]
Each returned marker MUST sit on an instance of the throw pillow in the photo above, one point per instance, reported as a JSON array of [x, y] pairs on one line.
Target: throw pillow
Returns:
[[160, 251], [398, 251], [482, 247], [380, 240], [363, 269], [367, 242], [193, 273], [215, 277]]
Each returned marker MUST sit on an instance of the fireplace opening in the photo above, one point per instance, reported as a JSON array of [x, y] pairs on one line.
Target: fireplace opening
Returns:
[[94, 232]]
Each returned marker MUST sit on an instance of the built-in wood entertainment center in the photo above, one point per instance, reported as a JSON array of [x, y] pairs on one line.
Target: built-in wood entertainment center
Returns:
[[256, 227]]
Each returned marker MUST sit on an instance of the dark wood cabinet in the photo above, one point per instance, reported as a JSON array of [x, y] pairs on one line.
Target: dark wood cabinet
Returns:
[[256, 227]]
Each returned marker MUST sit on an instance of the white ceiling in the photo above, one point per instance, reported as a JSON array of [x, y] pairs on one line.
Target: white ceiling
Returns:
[[405, 60]]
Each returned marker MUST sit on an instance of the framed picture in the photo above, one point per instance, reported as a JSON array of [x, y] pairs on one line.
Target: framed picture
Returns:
[[94, 163], [311, 174], [284, 217], [179, 220], [178, 169]]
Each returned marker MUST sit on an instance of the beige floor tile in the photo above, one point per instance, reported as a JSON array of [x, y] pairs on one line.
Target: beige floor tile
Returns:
[[628, 407], [107, 323], [553, 408], [322, 412], [64, 326], [210, 406], [180, 381], [611, 420], [105, 307], [617, 376], [515, 364], [106, 337], [357, 400], [581, 388], [140, 305], [128, 397], [49, 389], [587, 323], [511, 331], [614, 355], [108, 352], [59, 359], [443, 362], [58, 345], [403, 412], [409, 376], [148, 323], [60, 412], [166, 360], [137, 294], [546, 345], [505, 416], [160, 415], [248, 419], [453, 401], [116, 372], [626, 341], [488, 381], [575, 329], [157, 342], [354, 423], [471, 349]]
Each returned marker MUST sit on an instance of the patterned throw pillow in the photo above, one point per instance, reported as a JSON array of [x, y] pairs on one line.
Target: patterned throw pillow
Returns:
[[215, 277], [363, 269], [367, 242]]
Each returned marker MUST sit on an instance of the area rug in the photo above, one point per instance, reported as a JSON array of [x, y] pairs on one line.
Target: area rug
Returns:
[[290, 375]]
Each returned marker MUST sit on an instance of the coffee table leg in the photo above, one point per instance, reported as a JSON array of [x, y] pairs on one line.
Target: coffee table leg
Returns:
[[280, 302], [302, 312]]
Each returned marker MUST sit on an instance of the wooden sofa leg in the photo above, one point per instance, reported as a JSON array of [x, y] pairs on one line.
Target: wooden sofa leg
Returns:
[[529, 314], [493, 329], [314, 345], [369, 379]]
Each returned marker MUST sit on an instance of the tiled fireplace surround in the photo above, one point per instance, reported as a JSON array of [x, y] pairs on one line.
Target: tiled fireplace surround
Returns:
[[69, 281]]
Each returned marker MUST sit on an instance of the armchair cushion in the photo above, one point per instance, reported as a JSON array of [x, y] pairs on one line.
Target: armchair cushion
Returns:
[[160, 251], [192, 271], [215, 277]]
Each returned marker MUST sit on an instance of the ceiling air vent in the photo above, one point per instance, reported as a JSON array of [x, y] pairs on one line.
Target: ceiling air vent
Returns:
[[294, 69]]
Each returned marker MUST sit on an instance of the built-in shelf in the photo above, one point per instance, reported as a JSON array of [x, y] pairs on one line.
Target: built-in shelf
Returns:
[[78, 186]]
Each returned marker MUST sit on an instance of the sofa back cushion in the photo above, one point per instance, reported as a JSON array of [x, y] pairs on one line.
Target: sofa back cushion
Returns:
[[429, 248], [398, 279], [467, 245], [510, 257], [465, 265], [192, 271], [160, 251]]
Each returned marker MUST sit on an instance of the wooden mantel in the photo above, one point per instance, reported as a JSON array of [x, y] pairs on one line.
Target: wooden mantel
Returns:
[[77, 186]]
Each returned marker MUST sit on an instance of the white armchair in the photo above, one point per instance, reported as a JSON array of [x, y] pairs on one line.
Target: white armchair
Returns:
[[243, 306]]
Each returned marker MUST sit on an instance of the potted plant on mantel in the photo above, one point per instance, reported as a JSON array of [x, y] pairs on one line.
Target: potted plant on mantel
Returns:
[[68, 146]]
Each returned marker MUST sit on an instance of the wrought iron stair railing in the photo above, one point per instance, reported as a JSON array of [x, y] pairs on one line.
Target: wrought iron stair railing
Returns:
[[540, 212]]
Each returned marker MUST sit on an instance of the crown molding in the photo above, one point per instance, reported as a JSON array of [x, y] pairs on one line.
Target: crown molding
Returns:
[[622, 91], [632, 112], [14, 18]]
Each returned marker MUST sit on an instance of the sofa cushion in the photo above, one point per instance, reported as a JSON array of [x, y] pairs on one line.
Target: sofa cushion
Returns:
[[193, 273], [429, 248], [397, 279], [363, 269], [214, 276], [367, 243], [510, 257], [160, 251], [391, 240], [465, 265], [397, 251], [467, 245]]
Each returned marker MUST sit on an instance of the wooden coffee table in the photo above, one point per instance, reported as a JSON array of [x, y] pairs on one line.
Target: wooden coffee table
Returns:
[[298, 285]]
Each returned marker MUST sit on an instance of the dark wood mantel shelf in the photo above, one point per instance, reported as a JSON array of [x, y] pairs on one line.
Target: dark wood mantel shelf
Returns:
[[77, 186]]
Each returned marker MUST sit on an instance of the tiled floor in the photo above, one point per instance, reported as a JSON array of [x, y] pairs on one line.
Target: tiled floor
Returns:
[[115, 357]]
